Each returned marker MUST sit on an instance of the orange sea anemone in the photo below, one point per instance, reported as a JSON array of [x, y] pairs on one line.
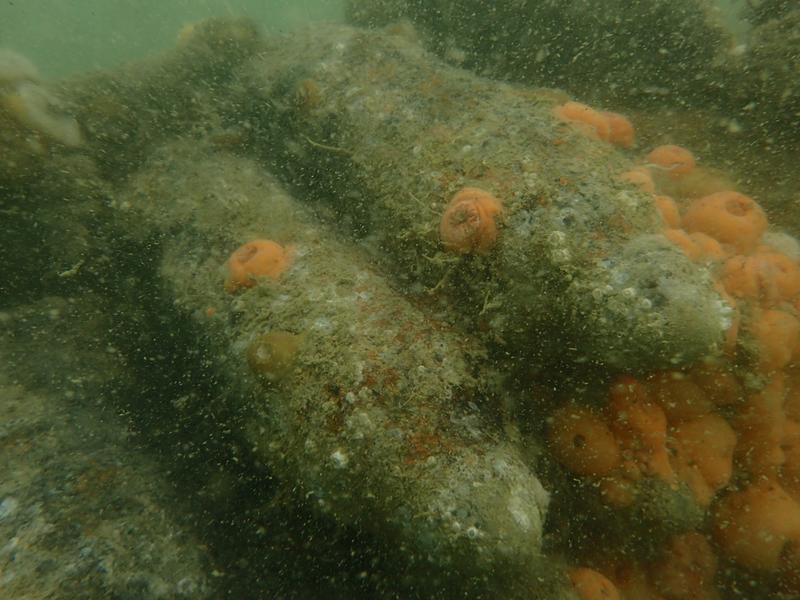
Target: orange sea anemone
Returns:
[[699, 182], [582, 442], [696, 245], [673, 159], [679, 396], [740, 277], [729, 217], [780, 276], [720, 386], [256, 258], [770, 277], [467, 224], [761, 427], [633, 583], [753, 527], [589, 120], [790, 473], [621, 132], [592, 585], [684, 243], [708, 247]]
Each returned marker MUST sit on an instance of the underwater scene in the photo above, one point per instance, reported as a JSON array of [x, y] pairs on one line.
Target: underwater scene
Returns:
[[403, 299]]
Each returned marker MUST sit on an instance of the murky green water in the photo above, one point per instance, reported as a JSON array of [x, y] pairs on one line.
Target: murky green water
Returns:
[[69, 37]]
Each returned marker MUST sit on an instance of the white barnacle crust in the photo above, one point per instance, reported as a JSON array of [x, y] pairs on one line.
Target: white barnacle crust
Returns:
[[339, 458]]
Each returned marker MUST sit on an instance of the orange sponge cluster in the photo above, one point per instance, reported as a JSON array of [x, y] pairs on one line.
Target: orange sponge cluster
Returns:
[[702, 429], [604, 125], [725, 229], [667, 427], [727, 431]]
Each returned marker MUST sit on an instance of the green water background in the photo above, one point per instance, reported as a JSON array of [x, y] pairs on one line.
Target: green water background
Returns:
[[68, 36]]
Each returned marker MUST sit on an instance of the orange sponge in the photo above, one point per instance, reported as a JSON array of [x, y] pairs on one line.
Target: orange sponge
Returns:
[[673, 159], [582, 442], [729, 217], [256, 258], [752, 527]]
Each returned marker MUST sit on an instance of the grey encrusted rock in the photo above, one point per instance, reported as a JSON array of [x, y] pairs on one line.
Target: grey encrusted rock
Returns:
[[651, 292], [84, 513]]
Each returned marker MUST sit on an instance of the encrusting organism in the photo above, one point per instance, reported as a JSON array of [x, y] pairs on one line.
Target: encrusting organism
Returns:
[[256, 258], [467, 224]]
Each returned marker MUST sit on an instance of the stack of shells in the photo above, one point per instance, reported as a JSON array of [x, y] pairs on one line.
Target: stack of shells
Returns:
[[727, 429], [660, 444]]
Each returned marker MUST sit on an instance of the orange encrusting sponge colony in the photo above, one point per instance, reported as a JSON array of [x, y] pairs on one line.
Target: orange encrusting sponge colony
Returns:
[[666, 427], [728, 429], [735, 450]]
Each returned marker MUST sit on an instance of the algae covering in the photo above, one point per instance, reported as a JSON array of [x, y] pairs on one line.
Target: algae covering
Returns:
[[323, 315], [371, 409], [391, 135]]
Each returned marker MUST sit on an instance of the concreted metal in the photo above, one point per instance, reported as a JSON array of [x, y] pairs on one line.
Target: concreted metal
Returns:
[[387, 134], [382, 418]]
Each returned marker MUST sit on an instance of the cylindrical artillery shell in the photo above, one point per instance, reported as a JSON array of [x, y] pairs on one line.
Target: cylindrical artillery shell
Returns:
[[579, 270], [348, 392]]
